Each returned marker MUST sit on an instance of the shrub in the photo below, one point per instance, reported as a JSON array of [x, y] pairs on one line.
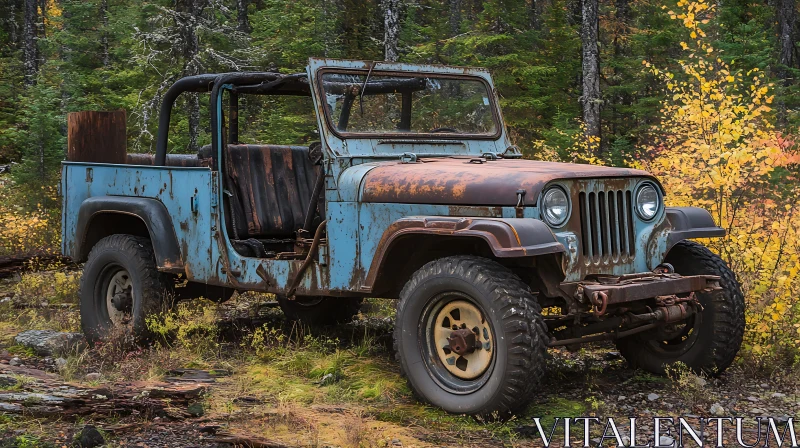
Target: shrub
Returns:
[[718, 149]]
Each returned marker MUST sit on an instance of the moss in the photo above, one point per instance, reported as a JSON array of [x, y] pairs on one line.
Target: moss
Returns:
[[21, 350]]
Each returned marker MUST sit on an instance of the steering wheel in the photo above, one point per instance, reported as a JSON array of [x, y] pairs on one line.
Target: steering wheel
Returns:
[[433, 131]]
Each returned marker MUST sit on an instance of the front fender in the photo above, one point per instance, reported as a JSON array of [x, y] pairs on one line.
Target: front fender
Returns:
[[690, 222], [506, 237], [151, 212]]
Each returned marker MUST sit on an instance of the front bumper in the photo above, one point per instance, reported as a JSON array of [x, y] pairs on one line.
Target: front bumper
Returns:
[[631, 288]]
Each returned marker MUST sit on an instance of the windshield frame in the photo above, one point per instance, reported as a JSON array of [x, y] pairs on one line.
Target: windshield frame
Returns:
[[329, 122]]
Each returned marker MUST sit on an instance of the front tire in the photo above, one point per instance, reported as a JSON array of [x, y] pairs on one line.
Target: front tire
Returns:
[[708, 341], [505, 358], [120, 287]]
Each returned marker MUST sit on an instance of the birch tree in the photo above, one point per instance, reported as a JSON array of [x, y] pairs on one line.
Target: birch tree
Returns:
[[787, 17], [590, 99], [30, 52], [391, 22]]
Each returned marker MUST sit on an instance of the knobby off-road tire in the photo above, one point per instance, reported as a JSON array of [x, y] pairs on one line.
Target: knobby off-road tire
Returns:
[[320, 310], [716, 332], [150, 289], [513, 323]]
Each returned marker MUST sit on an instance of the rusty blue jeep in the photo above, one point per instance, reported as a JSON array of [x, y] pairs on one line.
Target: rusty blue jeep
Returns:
[[407, 187]]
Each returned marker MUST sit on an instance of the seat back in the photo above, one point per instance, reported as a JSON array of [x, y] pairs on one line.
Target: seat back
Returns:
[[271, 187]]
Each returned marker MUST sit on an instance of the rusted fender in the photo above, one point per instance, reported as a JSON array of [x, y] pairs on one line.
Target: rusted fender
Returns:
[[507, 237], [691, 222], [475, 181], [151, 212]]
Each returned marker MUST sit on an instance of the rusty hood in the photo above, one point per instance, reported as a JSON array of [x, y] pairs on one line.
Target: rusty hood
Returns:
[[463, 181]]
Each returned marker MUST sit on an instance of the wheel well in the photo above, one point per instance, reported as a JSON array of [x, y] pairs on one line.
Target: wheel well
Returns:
[[408, 253], [107, 224]]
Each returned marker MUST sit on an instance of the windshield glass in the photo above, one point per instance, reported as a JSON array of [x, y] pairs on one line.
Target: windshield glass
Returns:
[[425, 104]]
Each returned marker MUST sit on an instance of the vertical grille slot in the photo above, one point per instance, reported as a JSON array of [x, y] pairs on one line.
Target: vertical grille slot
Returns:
[[607, 232]]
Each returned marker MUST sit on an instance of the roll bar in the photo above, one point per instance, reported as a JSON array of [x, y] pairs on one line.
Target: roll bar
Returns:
[[246, 82]]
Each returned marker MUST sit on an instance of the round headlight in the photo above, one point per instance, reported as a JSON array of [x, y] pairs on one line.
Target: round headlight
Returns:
[[647, 202], [555, 207]]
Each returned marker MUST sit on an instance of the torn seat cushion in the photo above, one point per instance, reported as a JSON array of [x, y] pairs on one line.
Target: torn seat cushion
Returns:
[[271, 186]]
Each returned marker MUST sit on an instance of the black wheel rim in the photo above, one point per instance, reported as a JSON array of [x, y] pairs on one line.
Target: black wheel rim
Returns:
[[678, 338], [431, 346]]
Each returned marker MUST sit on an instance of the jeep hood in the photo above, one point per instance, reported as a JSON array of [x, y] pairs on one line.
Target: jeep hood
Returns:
[[463, 181]]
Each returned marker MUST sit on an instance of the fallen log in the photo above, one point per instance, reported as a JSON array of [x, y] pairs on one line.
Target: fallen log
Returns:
[[44, 395], [10, 265]]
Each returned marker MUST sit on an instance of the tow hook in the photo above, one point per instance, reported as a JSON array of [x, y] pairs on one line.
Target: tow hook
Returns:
[[599, 301]]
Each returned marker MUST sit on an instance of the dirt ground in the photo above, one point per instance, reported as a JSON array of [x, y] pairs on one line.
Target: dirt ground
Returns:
[[243, 376]]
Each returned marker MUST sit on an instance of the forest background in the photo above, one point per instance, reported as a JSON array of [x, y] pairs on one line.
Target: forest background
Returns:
[[705, 95]]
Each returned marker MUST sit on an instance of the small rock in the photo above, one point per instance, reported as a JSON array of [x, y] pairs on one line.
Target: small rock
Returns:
[[778, 395], [666, 441], [209, 429], [757, 411], [89, 437], [327, 379], [764, 386], [397, 442], [622, 398], [717, 409], [597, 440], [7, 382], [653, 397], [196, 409], [783, 419], [49, 342], [13, 361], [60, 363], [753, 399], [626, 441], [611, 356], [93, 376], [700, 381]]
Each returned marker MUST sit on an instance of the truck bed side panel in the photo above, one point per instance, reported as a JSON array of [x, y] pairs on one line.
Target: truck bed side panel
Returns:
[[186, 193]]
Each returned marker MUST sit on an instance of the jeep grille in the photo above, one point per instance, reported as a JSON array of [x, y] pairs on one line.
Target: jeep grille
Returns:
[[606, 225]]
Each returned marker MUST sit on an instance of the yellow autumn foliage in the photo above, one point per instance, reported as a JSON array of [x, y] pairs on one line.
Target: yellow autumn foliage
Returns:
[[719, 150], [24, 231]]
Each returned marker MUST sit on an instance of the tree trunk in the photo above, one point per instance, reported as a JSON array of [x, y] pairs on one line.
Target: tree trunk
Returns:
[[591, 72], [241, 16], [455, 17], [12, 22], [30, 53], [104, 33], [189, 12], [533, 14], [391, 22], [786, 21]]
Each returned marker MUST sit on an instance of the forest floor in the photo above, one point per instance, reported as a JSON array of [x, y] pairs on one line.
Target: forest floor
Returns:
[[238, 374]]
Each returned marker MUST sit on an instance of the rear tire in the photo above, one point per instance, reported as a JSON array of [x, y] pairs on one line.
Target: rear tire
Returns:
[[711, 339], [316, 310], [120, 287], [507, 363]]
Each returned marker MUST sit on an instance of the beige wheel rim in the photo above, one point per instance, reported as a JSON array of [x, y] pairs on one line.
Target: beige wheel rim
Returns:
[[119, 286], [477, 358]]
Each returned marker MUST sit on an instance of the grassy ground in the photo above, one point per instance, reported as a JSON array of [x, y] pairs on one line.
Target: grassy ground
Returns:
[[333, 386]]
